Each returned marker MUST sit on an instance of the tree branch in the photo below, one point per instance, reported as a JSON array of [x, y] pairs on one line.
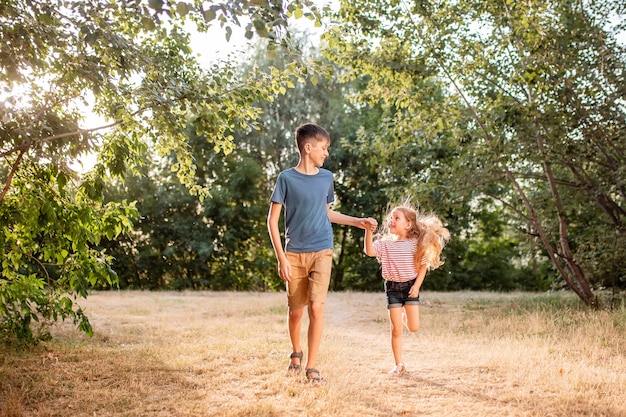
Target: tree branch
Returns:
[[16, 164], [27, 144]]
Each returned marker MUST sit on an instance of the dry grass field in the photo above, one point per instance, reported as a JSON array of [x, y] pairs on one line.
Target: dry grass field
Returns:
[[225, 354]]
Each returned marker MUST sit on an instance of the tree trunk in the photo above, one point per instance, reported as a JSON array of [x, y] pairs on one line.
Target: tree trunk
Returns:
[[573, 273]]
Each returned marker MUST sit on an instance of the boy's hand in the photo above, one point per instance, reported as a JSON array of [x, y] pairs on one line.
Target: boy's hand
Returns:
[[284, 270]]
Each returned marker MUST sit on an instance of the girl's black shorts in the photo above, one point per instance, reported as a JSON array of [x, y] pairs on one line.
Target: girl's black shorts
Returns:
[[398, 293]]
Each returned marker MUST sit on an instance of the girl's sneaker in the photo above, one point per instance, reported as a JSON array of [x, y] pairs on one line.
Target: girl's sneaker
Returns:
[[398, 370]]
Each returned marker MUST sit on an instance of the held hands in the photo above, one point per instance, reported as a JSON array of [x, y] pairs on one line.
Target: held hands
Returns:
[[369, 224]]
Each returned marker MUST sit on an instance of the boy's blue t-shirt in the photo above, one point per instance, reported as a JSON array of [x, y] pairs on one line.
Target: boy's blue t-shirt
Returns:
[[305, 198]]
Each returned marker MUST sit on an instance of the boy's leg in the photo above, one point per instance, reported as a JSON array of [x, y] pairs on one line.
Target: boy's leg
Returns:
[[316, 328], [319, 280], [294, 322], [297, 296]]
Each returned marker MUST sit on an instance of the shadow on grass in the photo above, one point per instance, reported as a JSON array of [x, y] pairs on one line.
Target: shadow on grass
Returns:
[[88, 380]]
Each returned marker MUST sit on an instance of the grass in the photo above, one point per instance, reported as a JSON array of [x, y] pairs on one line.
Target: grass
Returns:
[[225, 354]]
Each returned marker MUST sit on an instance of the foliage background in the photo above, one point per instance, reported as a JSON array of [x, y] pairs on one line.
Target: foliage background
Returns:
[[222, 243], [507, 119]]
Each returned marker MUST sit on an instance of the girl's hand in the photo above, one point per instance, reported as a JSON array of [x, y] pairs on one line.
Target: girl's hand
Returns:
[[414, 291]]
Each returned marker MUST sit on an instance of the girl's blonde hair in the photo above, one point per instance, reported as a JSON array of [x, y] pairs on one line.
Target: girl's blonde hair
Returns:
[[429, 232]]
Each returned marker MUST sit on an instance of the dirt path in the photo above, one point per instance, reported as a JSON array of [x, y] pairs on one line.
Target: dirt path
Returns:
[[225, 355], [455, 373]]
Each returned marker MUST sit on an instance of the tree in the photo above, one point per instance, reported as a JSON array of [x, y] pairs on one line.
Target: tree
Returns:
[[527, 98], [222, 242], [179, 242], [133, 62]]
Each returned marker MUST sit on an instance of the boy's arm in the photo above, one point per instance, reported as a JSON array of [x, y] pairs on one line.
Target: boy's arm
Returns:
[[421, 273], [368, 242], [284, 267], [362, 223]]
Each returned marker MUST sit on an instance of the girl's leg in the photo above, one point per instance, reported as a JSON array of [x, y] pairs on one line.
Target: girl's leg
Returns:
[[395, 319], [412, 317]]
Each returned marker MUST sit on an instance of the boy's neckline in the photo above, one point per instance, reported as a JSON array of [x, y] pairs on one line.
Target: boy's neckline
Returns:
[[316, 170]]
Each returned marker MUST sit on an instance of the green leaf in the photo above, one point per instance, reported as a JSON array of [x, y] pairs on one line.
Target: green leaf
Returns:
[[208, 15], [66, 303], [148, 23], [182, 8], [260, 27], [157, 5], [61, 255], [62, 179]]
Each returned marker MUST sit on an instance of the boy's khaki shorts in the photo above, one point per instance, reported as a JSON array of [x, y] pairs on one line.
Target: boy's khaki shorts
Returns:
[[310, 277]]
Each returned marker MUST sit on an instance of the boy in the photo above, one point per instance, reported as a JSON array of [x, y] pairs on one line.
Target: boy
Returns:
[[305, 263]]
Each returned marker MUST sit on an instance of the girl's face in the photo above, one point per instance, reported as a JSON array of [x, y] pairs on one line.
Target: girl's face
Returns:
[[398, 224]]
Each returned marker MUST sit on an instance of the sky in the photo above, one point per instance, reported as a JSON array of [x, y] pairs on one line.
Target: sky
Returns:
[[213, 44]]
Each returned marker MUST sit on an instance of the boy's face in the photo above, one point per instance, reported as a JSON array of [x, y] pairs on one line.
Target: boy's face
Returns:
[[318, 150]]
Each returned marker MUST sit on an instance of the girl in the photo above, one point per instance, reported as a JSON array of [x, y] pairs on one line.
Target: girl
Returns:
[[410, 244]]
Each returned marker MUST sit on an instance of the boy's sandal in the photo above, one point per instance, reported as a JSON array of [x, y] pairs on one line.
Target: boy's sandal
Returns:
[[314, 377], [295, 368]]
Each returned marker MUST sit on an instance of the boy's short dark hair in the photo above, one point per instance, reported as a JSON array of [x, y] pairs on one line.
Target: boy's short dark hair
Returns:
[[307, 132]]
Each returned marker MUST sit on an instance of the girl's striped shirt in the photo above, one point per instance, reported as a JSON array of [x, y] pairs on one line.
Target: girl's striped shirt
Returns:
[[397, 259]]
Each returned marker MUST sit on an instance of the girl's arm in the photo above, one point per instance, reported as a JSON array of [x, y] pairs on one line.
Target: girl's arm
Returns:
[[368, 242], [421, 273]]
